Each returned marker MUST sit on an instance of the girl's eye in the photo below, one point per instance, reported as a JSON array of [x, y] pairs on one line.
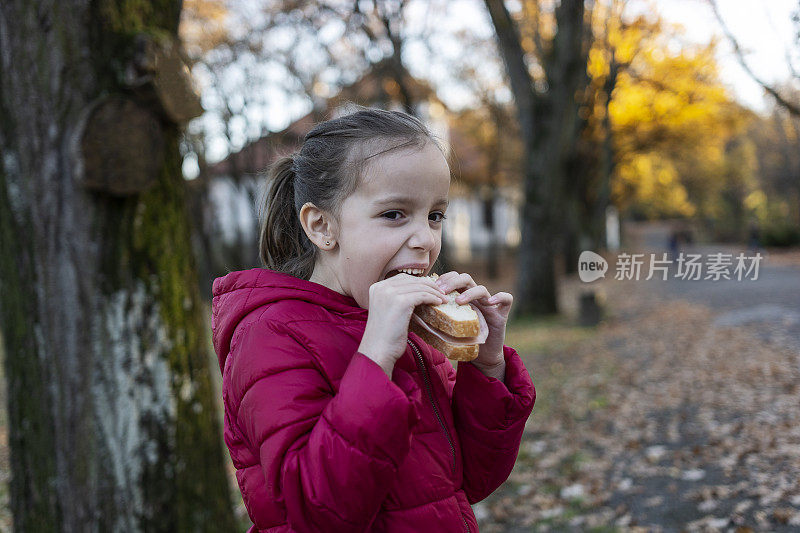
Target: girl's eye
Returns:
[[387, 215], [390, 215]]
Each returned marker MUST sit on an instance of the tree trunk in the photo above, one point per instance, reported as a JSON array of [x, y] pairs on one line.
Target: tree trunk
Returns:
[[536, 284], [607, 164], [487, 202], [569, 80], [536, 278], [112, 423], [490, 196], [548, 120]]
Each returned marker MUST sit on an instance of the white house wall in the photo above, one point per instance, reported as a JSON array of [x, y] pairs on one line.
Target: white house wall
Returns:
[[464, 230], [236, 215], [466, 233]]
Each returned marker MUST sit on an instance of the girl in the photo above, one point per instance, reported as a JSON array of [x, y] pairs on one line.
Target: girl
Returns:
[[336, 417]]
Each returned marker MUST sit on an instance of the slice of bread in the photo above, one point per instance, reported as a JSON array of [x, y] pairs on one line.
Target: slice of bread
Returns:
[[458, 320], [455, 320], [455, 352]]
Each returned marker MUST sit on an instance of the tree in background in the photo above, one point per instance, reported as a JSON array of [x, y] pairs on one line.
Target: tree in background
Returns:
[[775, 204], [112, 418], [547, 95], [623, 113], [250, 54], [487, 134], [590, 191], [672, 122]]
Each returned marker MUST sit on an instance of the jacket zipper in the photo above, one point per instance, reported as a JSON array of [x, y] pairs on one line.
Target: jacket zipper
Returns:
[[426, 379]]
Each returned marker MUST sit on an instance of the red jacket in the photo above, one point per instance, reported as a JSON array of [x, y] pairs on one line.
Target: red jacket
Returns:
[[322, 440]]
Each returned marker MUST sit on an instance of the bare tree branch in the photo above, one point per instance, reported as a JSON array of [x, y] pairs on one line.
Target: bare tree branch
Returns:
[[508, 37], [532, 12], [789, 106]]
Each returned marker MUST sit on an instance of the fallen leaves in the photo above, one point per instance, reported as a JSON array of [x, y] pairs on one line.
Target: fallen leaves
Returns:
[[661, 421]]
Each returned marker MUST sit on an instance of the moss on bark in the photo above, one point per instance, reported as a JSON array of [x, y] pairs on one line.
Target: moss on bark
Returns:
[[152, 243], [162, 253]]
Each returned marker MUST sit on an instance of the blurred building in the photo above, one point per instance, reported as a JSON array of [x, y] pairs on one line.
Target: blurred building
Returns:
[[236, 184]]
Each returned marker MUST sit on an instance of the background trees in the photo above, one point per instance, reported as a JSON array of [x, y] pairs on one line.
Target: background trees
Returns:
[[646, 125], [774, 201]]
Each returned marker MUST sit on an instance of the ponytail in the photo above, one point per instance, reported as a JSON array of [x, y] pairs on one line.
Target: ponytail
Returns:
[[283, 245]]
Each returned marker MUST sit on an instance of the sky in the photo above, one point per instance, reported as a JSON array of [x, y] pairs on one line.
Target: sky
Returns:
[[764, 29]]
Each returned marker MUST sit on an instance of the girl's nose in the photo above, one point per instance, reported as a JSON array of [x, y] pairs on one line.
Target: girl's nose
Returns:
[[424, 237]]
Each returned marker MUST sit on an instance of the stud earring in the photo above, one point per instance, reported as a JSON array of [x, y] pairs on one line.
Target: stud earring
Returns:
[[327, 242]]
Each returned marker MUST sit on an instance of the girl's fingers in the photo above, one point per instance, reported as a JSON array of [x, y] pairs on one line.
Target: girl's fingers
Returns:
[[443, 280], [409, 281], [477, 293], [447, 275], [435, 299], [502, 298], [425, 290], [474, 293], [454, 280]]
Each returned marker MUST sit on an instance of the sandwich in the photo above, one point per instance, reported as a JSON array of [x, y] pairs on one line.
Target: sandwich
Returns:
[[455, 330]]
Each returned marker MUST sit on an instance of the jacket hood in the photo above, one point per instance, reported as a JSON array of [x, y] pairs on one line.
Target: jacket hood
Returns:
[[236, 294]]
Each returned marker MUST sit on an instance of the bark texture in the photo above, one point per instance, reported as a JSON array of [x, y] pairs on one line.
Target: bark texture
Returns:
[[111, 409]]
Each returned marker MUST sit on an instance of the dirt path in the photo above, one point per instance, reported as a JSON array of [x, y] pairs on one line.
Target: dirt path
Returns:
[[667, 419]]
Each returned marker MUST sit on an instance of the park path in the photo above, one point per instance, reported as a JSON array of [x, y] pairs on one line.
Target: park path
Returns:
[[680, 413]]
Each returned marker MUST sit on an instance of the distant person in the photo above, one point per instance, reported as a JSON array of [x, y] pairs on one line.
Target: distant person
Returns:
[[754, 238], [336, 417], [673, 244]]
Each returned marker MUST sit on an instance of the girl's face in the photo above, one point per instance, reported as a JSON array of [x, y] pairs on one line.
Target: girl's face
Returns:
[[393, 220]]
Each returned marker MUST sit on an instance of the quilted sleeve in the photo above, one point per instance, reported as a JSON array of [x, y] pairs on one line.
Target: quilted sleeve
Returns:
[[329, 458], [490, 418]]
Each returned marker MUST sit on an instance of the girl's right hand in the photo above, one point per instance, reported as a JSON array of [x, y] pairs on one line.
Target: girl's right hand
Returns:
[[391, 303]]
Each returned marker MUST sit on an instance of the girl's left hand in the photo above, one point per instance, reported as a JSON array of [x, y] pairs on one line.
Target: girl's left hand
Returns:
[[495, 310]]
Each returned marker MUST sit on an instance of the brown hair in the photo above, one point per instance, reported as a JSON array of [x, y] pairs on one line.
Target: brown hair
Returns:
[[327, 169]]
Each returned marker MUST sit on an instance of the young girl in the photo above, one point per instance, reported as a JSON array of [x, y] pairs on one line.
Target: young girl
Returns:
[[336, 417]]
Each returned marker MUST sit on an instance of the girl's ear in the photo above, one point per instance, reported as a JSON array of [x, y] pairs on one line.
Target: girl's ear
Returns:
[[318, 226]]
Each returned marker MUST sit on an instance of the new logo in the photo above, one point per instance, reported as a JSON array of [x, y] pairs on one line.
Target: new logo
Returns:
[[591, 266]]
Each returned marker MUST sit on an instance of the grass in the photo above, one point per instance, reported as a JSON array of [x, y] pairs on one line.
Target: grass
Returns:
[[545, 335], [556, 351], [544, 345]]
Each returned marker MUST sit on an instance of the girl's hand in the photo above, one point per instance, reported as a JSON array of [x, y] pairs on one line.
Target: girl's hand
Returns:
[[391, 303], [495, 310]]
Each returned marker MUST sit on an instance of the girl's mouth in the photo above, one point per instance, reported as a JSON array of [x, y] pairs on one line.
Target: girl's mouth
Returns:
[[396, 272]]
